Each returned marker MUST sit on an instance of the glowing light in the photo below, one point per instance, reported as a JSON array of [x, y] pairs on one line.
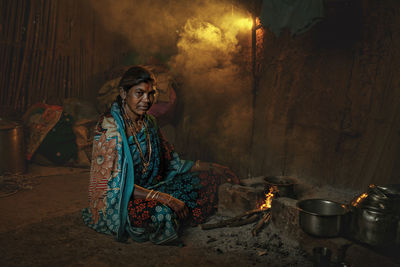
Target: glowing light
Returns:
[[268, 198], [357, 201], [258, 22], [243, 23]]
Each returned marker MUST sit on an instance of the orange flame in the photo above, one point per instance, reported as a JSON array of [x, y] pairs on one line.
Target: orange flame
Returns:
[[258, 22], [268, 198], [357, 201]]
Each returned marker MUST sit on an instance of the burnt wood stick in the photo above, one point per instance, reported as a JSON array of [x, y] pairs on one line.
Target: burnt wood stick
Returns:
[[248, 220], [210, 226], [260, 224], [227, 222], [230, 222], [248, 213]]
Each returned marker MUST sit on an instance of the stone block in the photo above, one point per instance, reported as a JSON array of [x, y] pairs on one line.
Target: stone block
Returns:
[[237, 199], [285, 216]]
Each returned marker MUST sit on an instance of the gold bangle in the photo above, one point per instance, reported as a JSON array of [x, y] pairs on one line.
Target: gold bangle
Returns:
[[147, 196], [197, 164], [156, 193], [169, 199]]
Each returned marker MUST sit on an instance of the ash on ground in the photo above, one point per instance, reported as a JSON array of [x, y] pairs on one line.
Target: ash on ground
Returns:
[[269, 246]]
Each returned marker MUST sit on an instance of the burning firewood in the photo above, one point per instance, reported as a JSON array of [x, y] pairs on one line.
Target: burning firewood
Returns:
[[235, 221], [238, 220], [264, 220], [248, 220]]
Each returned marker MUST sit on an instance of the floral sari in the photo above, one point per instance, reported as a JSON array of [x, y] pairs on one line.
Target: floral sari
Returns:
[[116, 168]]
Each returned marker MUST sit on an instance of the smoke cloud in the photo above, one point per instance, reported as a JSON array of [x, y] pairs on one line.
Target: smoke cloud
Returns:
[[205, 41]]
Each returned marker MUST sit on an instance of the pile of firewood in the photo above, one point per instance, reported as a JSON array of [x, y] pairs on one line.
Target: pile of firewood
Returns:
[[243, 219]]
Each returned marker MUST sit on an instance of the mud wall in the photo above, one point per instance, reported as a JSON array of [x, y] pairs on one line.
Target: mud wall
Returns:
[[328, 101]]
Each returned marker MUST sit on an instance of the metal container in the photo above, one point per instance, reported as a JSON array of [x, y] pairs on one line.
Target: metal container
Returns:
[[284, 185], [373, 228], [375, 216], [12, 159], [322, 257], [381, 199], [321, 217]]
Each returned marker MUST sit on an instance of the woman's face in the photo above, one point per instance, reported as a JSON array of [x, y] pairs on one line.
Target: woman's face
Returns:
[[139, 98]]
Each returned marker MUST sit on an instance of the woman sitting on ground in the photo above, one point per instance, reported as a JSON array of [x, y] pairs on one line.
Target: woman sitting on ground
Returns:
[[139, 187]]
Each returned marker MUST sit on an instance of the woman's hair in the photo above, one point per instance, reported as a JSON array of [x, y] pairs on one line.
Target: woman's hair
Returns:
[[134, 76]]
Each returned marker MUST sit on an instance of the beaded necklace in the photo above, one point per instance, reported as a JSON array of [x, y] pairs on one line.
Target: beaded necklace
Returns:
[[133, 129]]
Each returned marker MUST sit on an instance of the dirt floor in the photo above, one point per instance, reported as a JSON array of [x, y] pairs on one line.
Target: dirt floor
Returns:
[[41, 226]]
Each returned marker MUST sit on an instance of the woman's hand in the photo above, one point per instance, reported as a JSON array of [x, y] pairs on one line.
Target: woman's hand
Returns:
[[224, 172], [228, 175], [175, 204]]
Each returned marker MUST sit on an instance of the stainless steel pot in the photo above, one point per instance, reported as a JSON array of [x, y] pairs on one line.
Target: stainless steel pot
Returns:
[[12, 159], [321, 217], [373, 227], [375, 216]]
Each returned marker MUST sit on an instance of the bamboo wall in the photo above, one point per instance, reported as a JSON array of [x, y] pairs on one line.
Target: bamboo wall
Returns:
[[52, 49]]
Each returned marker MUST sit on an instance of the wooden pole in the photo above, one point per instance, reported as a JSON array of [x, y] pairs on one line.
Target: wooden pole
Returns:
[[30, 37]]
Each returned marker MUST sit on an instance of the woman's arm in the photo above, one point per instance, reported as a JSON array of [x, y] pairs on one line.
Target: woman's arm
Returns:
[[177, 205], [223, 171], [200, 166]]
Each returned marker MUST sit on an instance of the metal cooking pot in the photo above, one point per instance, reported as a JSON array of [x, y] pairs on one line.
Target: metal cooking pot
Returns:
[[12, 158], [283, 184], [381, 199], [372, 227], [375, 216], [321, 217]]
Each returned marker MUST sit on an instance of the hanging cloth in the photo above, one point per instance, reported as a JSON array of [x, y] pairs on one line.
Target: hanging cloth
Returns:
[[296, 15]]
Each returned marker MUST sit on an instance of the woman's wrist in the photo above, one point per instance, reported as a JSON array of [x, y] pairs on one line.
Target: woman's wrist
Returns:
[[197, 166], [164, 198], [148, 196], [153, 195]]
